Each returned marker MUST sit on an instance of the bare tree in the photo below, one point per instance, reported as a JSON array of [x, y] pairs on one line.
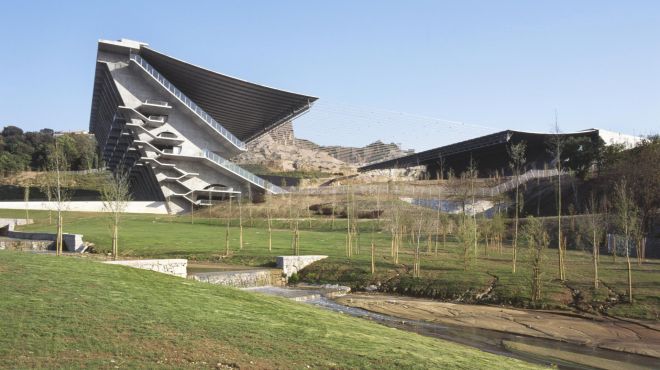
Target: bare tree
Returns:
[[627, 216], [58, 166], [349, 241], [116, 195], [417, 229], [595, 228], [373, 261], [472, 174], [270, 230], [537, 241], [240, 222], [227, 228], [465, 234], [498, 228], [556, 147], [517, 162]]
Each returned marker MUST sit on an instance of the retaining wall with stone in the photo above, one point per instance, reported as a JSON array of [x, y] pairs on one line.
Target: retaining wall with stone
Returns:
[[72, 242], [176, 267], [241, 278], [293, 264], [24, 245]]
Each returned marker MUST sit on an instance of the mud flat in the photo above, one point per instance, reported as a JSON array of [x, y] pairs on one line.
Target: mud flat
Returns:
[[634, 337]]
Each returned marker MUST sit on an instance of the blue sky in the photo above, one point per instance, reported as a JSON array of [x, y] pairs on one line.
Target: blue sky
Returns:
[[389, 70]]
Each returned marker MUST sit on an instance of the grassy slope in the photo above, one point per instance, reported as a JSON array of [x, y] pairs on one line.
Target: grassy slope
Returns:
[[443, 275], [73, 312]]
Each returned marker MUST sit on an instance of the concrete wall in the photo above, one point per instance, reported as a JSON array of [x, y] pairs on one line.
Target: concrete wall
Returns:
[[241, 279], [72, 242], [291, 264], [11, 222], [176, 267], [132, 207]]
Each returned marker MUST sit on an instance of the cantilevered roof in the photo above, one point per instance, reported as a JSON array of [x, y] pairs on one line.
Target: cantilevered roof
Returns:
[[244, 108], [496, 139]]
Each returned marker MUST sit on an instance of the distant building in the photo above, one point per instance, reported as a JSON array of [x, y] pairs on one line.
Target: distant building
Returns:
[[175, 125], [79, 132], [490, 152]]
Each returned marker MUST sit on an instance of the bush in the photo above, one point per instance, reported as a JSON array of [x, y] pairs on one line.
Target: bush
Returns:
[[294, 279]]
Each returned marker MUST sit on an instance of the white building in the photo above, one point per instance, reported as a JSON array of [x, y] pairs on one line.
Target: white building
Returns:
[[175, 126]]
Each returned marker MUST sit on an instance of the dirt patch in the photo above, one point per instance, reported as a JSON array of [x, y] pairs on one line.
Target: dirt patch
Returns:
[[602, 332]]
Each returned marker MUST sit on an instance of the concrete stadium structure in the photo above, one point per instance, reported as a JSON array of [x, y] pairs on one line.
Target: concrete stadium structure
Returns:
[[490, 152], [175, 126]]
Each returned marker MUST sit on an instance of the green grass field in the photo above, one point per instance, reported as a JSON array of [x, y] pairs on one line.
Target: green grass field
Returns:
[[442, 275], [70, 312]]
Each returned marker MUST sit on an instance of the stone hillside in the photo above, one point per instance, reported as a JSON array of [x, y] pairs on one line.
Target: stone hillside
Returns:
[[280, 151]]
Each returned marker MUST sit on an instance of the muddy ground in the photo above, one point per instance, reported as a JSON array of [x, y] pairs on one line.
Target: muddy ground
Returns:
[[638, 337]]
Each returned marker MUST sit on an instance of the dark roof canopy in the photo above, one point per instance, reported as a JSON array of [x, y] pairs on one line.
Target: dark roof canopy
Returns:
[[244, 108], [482, 147]]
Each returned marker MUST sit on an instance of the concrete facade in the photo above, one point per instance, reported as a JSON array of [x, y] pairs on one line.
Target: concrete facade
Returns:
[[175, 267], [175, 151], [159, 208]]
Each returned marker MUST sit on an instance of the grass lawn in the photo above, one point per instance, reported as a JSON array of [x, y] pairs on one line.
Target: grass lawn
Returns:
[[442, 275], [74, 312]]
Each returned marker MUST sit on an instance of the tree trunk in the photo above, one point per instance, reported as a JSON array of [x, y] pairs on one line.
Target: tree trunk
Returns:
[[595, 257], [630, 294], [58, 237], [373, 261], [115, 247], [562, 277], [227, 242], [515, 233]]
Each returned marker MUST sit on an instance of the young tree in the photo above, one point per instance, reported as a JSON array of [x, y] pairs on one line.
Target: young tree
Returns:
[[465, 234], [227, 228], [472, 174], [517, 163], [349, 232], [595, 229], [627, 217], [537, 241], [116, 195], [240, 222], [270, 230], [373, 260], [556, 147], [58, 165], [417, 234], [498, 228]]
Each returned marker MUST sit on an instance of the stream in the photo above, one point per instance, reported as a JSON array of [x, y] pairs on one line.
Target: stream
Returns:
[[486, 340]]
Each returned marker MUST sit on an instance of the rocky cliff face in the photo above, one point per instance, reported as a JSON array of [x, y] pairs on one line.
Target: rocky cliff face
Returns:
[[280, 151]]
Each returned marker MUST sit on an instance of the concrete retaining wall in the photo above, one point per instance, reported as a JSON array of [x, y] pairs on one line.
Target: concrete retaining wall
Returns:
[[83, 206], [12, 222], [176, 267], [72, 242], [240, 279], [293, 264]]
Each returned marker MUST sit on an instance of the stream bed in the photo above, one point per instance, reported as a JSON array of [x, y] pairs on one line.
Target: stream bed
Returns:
[[568, 355]]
